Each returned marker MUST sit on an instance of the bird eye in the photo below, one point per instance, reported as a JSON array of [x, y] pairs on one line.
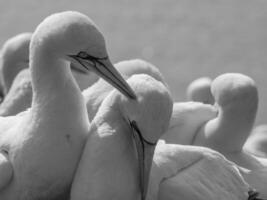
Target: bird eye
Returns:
[[82, 54]]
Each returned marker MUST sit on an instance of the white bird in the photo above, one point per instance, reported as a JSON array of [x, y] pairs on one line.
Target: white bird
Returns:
[[95, 94], [40, 148], [236, 97], [199, 90], [190, 172], [19, 96], [187, 118], [256, 143], [14, 57], [116, 161]]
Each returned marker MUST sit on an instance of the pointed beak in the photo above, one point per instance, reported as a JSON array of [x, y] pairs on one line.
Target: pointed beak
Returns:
[[145, 152], [105, 69]]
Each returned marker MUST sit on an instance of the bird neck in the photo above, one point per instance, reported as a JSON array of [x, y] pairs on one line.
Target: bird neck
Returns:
[[55, 92], [10, 75], [229, 131], [112, 170], [51, 76]]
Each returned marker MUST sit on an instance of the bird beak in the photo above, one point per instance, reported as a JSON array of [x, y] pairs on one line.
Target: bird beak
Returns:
[[145, 151], [105, 69], [78, 69]]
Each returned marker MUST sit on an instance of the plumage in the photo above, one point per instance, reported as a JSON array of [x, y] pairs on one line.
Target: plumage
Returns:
[[190, 172], [187, 118], [19, 97], [256, 143], [14, 57], [113, 164]]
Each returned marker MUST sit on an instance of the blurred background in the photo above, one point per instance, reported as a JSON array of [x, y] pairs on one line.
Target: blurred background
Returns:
[[185, 39]]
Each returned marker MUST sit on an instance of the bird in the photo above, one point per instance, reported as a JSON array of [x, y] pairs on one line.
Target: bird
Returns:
[[117, 157], [236, 98], [40, 147], [95, 94], [14, 57], [187, 118], [199, 90], [256, 143], [192, 172], [19, 96]]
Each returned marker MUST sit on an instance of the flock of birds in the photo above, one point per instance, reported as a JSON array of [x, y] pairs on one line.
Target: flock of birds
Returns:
[[66, 134]]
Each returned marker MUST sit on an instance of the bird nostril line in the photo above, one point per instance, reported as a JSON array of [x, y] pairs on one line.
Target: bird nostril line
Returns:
[[84, 55]]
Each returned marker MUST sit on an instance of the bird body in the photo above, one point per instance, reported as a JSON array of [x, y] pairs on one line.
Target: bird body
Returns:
[[256, 143], [187, 118], [190, 172]]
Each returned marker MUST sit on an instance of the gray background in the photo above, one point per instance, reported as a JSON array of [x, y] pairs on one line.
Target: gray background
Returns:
[[185, 39]]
